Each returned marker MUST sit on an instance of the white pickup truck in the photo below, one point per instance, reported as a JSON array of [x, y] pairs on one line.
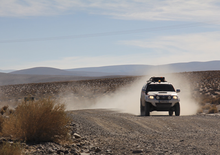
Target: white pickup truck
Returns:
[[159, 95]]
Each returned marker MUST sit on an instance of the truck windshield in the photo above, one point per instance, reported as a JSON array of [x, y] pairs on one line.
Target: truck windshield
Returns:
[[160, 87]]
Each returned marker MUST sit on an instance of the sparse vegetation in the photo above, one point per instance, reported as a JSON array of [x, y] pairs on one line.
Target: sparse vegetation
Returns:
[[3, 109], [206, 107], [210, 108], [213, 109], [1, 122], [37, 121], [10, 149], [200, 110]]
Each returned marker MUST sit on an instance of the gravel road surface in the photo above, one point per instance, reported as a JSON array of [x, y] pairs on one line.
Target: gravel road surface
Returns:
[[120, 133]]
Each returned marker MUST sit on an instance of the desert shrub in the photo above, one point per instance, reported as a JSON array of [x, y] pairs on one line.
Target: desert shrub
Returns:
[[207, 106], [213, 109], [10, 149], [1, 122], [200, 110], [11, 111], [37, 121], [205, 99], [3, 109], [216, 100]]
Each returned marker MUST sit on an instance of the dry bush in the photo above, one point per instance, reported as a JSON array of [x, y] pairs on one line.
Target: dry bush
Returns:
[[207, 106], [10, 111], [200, 110], [3, 109], [10, 149], [37, 121], [1, 122], [216, 100], [213, 109], [205, 99]]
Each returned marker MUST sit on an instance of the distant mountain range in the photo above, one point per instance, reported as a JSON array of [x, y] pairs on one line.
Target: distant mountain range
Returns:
[[148, 69], [132, 70], [55, 71], [46, 74]]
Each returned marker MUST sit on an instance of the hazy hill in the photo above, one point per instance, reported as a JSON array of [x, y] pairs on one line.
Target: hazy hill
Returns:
[[55, 71], [193, 66], [118, 69], [148, 69], [46, 74], [134, 70]]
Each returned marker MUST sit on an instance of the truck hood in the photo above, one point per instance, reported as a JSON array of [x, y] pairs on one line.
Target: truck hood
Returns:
[[162, 93]]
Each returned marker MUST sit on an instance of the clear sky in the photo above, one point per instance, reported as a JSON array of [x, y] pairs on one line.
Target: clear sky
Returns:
[[70, 34]]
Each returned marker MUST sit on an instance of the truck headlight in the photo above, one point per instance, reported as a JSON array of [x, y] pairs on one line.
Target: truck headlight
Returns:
[[175, 97], [151, 97]]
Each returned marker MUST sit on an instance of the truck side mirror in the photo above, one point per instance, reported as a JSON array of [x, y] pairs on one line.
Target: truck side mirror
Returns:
[[177, 90]]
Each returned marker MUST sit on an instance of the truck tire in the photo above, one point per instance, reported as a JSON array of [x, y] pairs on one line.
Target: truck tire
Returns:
[[177, 109], [147, 109], [142, 109], [170, 112]]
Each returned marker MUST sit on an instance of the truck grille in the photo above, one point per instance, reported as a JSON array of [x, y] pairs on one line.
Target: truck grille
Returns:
[[163, 104], [163, 97]]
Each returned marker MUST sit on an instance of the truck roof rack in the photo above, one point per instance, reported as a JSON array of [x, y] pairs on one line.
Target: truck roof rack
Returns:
[[156, 79]]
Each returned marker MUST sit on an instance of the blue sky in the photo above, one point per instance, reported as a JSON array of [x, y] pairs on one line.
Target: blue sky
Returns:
[[70, 34]]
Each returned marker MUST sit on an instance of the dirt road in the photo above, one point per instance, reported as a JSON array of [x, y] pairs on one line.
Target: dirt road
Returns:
[[119, 133]]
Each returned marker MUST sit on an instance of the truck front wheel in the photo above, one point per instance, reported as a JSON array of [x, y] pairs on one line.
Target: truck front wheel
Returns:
[[142, 109], [170, 112], [147, 109], [177, 109]]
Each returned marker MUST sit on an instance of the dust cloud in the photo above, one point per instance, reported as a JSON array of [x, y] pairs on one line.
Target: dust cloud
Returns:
[[187, 104], [127, 98]]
